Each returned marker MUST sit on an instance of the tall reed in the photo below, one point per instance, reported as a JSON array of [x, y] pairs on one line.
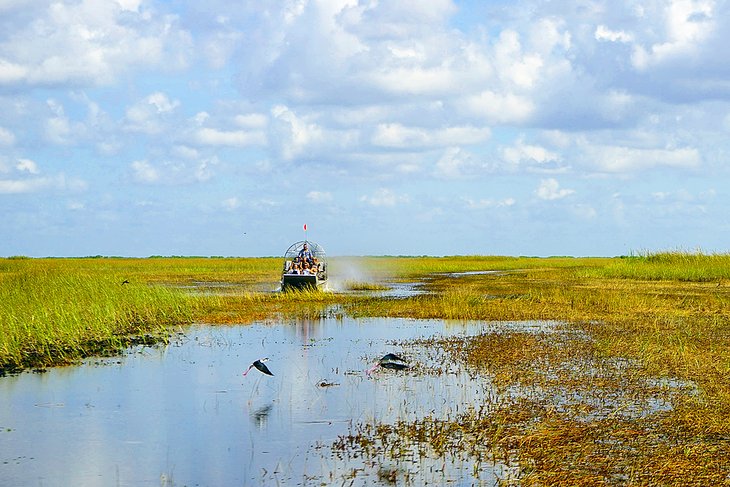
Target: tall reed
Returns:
[[668, 265], [57, 313]]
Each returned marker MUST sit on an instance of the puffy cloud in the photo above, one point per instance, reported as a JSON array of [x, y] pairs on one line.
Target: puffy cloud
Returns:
[[17, 186], [252, 120], [294, 136], [27, 165], [58, 127], [687, 25], [522, 69], [499, 107], [293, 133], [150, 115], [144, 172], [415, 80], [549, 189], [185, 152], [522, 153], [203, 170], [12, 73], [87, 42], [456, 162], [25, 176], [603, 33]]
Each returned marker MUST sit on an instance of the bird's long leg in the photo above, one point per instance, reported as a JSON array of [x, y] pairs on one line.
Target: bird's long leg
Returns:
[[369, 371]]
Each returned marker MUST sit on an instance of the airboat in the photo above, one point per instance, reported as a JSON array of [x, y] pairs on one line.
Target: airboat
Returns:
[[305, 266]]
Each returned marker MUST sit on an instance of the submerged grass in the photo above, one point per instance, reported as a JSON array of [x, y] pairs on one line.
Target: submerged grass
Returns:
[[640, 327]]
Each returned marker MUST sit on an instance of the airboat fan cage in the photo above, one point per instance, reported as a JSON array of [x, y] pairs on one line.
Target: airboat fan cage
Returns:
[[316, 250]]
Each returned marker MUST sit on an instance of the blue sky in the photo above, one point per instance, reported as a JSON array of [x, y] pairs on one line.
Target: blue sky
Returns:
[[137, 128]]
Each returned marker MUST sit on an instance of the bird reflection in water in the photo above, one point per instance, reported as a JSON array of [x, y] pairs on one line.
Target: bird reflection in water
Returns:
[[260, 416]]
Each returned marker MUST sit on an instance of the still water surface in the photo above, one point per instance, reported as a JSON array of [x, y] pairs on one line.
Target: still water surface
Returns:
[[183, 414]]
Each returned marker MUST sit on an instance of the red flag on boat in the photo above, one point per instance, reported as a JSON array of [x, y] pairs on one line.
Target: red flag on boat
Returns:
[[305, 227]]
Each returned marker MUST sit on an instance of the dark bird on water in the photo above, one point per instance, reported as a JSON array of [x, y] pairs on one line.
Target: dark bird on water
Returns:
[[260, 365], [388, 361]]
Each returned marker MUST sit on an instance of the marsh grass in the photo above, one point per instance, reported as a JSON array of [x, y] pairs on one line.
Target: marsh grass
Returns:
[[592, 406], [247, 307], [634, 390], [57, 311], [675, 265], [364, 286], [563, 414]]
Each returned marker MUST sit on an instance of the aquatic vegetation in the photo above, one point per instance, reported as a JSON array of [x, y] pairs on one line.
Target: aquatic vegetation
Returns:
[[630, 387], [53, 312], [563, 414], [364, 286], [634, 394]]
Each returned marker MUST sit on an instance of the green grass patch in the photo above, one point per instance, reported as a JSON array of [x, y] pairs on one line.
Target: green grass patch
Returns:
[[57, 311], [677, 265]]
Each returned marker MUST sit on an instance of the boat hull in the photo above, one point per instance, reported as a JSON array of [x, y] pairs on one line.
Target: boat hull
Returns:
[[298, 281]]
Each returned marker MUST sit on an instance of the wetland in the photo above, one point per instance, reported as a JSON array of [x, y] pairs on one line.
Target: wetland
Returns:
[[524, 371]]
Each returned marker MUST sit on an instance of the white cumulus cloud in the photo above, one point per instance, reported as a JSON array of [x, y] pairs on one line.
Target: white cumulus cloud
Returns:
[[144, 172], [87, 42], [27, 165], [549, 189], [603, 33], [523, 153], [151, 114]]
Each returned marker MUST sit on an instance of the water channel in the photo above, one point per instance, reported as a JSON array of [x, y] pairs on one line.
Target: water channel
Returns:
[[184, 415]]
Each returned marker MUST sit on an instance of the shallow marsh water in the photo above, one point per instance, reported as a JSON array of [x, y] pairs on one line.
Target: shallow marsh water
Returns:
[[183, 414]]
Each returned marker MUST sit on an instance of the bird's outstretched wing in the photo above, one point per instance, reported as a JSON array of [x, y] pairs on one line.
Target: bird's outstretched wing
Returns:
[[262, 367], [391, 357]]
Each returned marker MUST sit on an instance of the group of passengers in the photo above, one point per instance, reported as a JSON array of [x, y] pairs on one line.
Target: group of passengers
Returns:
[[304, 263]]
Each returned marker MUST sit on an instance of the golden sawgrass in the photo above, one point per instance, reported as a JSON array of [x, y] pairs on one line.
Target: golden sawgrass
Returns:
[[667, 320]]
